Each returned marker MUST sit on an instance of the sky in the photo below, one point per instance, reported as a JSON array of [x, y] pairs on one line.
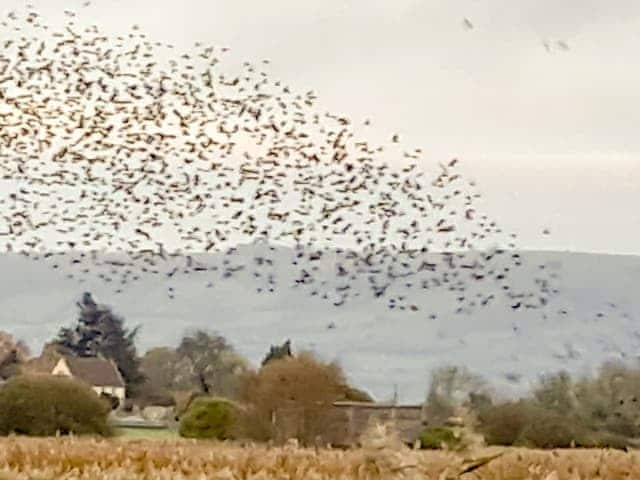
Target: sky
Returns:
[[550, 137]]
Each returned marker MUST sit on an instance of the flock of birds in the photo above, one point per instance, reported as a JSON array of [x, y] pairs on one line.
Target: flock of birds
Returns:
[[116, 163]]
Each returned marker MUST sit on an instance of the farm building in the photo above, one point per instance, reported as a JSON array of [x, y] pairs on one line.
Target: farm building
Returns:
[[101, 374]]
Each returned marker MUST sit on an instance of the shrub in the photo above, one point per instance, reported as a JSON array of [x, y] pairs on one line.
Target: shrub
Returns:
[[502, 424], [434, 438], [353, 394], [184, 400], [606, 440], [528, 424], [43, 405], [621, 427], [208, 418], [112, 400], [549, 429]]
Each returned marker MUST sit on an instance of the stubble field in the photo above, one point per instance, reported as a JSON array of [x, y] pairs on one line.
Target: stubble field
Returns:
[[82, 458]]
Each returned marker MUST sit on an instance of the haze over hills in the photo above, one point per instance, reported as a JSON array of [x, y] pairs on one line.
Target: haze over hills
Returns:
[[593, 317]]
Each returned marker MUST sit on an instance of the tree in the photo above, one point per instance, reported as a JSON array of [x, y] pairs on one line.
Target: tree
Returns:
[[609, 402], [208, 363], [159, 366], [555, 392], [277, 352], [13, 354], [101, 333], [51, 353], [293, 397], [451, 387]]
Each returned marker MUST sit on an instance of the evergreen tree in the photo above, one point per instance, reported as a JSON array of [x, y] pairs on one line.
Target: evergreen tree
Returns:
[[278, 351], [101, 333]]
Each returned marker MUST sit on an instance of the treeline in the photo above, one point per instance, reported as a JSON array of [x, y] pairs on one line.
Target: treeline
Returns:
[[212, 391], [203, 378], [559, 412]]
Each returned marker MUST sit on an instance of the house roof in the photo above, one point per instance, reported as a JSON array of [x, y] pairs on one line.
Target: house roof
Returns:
[[98, 372]]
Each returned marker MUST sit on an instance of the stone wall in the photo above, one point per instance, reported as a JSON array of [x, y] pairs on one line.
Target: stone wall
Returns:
[[349, 420], [407, 419]]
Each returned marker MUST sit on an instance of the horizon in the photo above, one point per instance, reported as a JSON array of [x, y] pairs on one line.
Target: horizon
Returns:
[[372, 342]]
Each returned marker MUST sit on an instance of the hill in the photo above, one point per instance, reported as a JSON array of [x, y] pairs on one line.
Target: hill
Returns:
[[593, 317]]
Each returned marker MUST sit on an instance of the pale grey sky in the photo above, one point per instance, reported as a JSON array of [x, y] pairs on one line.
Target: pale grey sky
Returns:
[[551, 137]]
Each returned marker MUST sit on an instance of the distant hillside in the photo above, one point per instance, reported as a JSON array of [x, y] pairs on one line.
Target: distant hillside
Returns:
[[595, 316]]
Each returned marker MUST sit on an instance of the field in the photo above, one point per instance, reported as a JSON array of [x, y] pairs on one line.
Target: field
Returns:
[[146, 433], [85, 458]]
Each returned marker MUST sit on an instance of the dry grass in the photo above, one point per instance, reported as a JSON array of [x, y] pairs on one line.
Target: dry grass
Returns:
[[83, 458]]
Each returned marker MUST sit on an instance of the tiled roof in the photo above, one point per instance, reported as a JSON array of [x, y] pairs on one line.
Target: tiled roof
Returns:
[[98, 372]]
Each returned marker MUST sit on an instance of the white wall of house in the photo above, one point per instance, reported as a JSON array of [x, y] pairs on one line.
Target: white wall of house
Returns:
[[115, 391], [61, 368]]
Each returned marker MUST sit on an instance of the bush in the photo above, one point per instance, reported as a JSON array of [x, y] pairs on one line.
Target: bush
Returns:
[[352, 394], [549, 429], [112, 400], [606, 440], [44, 405], [435, 438], [528, 424], [208, 418], [621, 427], [184, 400], [502, 424]]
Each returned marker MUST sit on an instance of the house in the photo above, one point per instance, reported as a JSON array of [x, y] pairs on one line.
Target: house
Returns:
[[101, 374]]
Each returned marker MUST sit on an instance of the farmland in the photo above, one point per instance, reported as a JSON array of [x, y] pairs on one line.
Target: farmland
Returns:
[[131, 433], [88, 458]]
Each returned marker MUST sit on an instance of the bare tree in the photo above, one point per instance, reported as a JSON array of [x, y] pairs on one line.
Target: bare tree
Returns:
[[450, 388], [13, 353], [209, 363]]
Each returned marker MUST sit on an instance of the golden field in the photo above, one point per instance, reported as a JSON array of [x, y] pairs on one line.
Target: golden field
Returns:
[[87, 458]]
